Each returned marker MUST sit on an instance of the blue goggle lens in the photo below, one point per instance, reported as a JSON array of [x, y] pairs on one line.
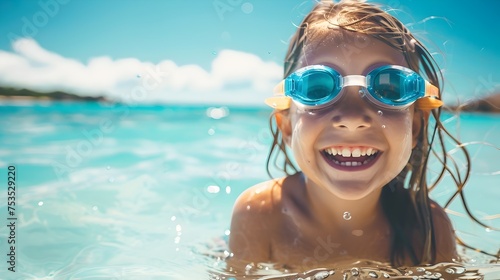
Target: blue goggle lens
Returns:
[[316, 87], [395, 86], [313, 86]]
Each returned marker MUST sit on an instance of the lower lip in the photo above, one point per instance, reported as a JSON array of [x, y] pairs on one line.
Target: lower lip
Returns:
[[352, 168]]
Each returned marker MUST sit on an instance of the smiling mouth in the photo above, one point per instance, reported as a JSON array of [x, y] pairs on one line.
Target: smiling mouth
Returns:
[[352, 158]]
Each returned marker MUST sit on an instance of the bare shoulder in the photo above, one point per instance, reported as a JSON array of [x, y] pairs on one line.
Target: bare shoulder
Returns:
[[253, 221], [259, 198], [444, 234]]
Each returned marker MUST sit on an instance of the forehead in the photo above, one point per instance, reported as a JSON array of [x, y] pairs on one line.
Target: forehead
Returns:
[[348, 52]]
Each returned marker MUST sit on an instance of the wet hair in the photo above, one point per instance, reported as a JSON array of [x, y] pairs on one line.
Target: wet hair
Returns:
[[405, 199]]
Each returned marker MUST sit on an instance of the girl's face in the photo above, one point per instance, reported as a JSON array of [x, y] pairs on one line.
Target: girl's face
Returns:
[[351, 148]]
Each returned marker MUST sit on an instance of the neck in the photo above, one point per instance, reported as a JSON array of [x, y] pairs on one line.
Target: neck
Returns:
[[341, 214]]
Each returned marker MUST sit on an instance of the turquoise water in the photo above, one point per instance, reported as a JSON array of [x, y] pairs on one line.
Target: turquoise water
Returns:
[[119, 192]]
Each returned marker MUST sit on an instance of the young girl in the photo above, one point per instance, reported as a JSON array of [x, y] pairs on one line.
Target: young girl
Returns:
[[353, 110]]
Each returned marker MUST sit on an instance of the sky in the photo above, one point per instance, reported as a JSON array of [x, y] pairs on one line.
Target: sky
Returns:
[[213, 51]]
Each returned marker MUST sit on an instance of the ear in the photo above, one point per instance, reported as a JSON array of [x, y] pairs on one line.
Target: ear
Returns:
[[420, 119], [284, 125]]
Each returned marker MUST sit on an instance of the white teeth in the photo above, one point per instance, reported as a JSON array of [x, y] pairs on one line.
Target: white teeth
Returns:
[[351, 152], [332, 151], [350, 163]]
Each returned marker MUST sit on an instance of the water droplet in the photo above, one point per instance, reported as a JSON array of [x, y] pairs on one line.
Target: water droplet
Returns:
[[211, 131], [428, 273], [487, 229], [372, 274], [108, 167], [178, 228], [459, 269], [420, 269], [437, 275], [385, 275], [380, 113], [40, 203], [173, 218], [217, 112], [383, 126], [450, 271], [213, 189], [346, 216], [95, 208], [362, 93], [214, 53], [177, 239], [111, 179], [227, 232], [331, 272], [321, 275], [354, 271], [228, 189], [247, 8]]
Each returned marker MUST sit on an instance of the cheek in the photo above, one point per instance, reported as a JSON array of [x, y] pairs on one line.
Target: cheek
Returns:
[[299, 140], [399, 123], [401, 137], [303, 139]]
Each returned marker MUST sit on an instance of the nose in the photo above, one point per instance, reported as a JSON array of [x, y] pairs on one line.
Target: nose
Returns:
[[353, 113]]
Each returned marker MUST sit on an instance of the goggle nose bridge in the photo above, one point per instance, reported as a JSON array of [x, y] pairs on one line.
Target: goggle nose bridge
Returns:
[[354, 80]]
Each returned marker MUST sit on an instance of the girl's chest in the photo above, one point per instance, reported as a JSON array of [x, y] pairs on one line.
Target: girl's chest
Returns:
[[318, 247]]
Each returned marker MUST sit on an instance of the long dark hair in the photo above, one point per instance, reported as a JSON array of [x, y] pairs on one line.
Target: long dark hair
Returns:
[[405, 199]]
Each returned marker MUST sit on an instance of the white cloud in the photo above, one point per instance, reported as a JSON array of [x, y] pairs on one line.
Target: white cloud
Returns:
[[234, 78]]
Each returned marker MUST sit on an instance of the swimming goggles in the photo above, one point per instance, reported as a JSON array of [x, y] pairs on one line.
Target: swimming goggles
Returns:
[[388, 87]]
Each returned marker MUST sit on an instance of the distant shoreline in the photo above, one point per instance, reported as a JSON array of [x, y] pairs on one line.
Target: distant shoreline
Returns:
[[26, 95], [488, 104]]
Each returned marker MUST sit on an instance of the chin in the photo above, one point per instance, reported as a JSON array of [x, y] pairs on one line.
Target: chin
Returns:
[[354, 191]]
